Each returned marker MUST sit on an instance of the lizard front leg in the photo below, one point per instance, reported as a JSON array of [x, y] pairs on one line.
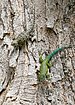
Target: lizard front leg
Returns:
[[48, 76]]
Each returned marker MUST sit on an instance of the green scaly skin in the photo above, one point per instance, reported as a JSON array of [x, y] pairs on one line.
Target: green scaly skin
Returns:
[[45, 65]]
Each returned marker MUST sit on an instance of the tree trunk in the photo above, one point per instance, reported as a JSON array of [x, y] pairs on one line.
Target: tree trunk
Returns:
[[52, 25]]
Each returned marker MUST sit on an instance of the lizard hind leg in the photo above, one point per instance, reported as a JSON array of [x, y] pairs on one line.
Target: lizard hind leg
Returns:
[[49, 64], [40, 59]]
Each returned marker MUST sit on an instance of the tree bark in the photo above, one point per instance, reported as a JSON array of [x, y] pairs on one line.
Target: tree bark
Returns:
[[53, 24]]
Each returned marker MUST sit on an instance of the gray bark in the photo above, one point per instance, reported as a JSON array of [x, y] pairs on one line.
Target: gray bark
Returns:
[[54, 26]]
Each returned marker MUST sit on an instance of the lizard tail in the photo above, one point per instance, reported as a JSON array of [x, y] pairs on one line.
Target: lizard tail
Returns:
[[56, 51]]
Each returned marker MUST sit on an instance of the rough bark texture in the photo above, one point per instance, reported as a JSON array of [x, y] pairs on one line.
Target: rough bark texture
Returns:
[[54, 26]]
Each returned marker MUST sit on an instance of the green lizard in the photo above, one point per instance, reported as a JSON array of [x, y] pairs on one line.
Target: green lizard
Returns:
[[45, 65]]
